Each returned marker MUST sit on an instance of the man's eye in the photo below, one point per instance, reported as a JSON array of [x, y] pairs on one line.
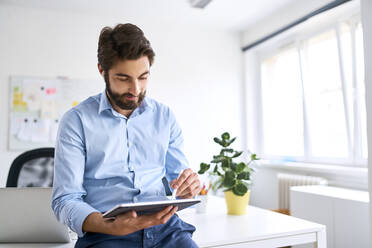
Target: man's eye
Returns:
[[143, 78], [123, 79]]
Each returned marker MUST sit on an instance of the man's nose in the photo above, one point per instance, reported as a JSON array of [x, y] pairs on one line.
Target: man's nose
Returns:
[[135, 87]]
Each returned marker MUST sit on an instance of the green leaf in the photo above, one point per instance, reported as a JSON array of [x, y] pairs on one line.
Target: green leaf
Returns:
[[225, 136], [218, 159], [203, 168], [230, 174], [240, 167], [231, 141], [243, 175], [237, 154], [228, 182], [254, 157], [239, 189], [225, 164], [229, 179], [226, 150], [218, 184], [233, 166], [247, 184], [215, 170], [217, 140]]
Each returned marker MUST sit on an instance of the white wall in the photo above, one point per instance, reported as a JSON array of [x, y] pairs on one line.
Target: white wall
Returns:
[[366, 8], [197, 72]]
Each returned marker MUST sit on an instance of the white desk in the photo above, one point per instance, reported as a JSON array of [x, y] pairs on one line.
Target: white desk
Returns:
[[259, 228]]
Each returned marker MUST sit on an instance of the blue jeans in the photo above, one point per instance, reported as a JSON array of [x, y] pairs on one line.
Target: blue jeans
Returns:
[[174, 233]]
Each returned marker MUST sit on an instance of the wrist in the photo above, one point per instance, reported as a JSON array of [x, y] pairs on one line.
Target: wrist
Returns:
[[94, 222]]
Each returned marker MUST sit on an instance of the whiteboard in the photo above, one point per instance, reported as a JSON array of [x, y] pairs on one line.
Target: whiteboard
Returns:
[[36, 105]]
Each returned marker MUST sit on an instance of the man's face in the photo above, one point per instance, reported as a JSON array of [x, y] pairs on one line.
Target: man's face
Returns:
[[126, 82]]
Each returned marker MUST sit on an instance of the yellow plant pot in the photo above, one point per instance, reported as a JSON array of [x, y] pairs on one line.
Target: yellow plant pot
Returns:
[[236, 205]]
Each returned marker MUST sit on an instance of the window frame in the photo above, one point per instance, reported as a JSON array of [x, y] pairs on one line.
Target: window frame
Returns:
[[297, 39]]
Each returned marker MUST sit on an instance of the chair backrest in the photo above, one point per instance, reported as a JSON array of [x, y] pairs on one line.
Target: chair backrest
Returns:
[[33, 168]]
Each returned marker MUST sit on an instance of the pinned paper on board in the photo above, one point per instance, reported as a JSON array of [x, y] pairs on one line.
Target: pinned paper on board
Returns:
[[40, 130], [18, 104], [15, 125], [32, 93], [24, 132], [48, 109], [37, 104]]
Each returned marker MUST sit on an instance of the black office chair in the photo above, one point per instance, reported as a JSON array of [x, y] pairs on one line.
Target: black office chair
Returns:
[[32, 169]]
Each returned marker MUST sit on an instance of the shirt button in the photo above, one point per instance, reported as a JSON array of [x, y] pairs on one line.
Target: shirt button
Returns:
[[148, 235]]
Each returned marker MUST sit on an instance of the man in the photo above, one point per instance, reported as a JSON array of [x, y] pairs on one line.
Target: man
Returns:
[[115, 148]]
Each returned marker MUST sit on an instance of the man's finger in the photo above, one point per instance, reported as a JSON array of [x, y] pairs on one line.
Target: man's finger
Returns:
[[129, 214], [173, 182], [169, 215], [187, 196], [158, 218], [179, 181], [160, 214], [146, 221], [192, 190], [187, 182]]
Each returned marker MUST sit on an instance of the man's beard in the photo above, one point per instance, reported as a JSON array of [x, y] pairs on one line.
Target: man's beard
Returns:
[[120, 99]]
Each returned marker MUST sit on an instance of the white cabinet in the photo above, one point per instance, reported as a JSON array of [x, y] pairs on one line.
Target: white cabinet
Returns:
[[343, 211]]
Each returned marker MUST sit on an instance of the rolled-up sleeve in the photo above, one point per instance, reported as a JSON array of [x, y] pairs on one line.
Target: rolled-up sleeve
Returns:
[[69, 164], [175, 160]]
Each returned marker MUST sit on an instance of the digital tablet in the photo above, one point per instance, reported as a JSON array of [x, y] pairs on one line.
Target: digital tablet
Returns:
[[148, 207]]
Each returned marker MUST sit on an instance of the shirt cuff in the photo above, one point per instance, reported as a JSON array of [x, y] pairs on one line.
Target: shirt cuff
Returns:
[[76, 220]]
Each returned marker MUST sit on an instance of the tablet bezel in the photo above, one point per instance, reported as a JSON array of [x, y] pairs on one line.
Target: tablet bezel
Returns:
[[149, 207]]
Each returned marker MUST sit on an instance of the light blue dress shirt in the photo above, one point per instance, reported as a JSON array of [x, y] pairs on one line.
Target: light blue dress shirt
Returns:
[[103, 158]]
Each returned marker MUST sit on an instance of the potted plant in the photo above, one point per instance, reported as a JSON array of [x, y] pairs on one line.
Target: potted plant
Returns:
[[233, 177]]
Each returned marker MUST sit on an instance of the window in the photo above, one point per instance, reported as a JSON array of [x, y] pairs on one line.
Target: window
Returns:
[[323, 94], [312, 95], [282, 101]]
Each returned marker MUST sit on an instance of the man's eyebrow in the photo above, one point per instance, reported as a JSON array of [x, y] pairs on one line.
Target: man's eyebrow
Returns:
[[122, 75], [146, 72], [125, 75]]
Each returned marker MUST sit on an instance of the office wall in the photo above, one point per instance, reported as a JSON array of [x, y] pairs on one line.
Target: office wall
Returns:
[[197, 72]]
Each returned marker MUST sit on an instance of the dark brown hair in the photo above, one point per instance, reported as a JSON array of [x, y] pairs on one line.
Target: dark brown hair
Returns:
[[124, 41]]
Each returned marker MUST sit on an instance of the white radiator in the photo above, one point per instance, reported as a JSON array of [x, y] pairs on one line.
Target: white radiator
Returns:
[[286, 181]]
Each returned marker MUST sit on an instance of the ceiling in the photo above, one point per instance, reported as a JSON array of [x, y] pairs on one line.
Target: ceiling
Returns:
[[233, 15]]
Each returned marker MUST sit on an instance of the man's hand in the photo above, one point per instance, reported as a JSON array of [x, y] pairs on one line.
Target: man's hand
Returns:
[[187, 184], [127, 223]]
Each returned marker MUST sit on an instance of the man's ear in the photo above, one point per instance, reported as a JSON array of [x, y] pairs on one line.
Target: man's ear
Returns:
[[101, 71]]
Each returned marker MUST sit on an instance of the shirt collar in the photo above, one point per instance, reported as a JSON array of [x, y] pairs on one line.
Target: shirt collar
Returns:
[[146, 103], [105, 104]]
